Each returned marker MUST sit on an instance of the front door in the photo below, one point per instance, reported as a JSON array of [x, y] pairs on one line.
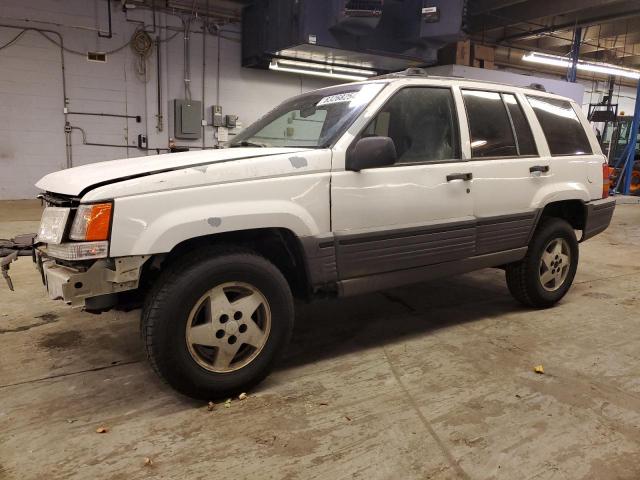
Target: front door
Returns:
[[416, 212]]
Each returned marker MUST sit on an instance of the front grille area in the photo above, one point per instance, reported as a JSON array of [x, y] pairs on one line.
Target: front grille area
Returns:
[[59, 200]]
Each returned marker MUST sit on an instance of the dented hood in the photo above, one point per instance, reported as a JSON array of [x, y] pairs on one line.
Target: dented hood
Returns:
[[78, 180]]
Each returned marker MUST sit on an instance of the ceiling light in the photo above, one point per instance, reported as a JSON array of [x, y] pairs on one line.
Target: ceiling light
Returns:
[[318, 70], [597, 67]]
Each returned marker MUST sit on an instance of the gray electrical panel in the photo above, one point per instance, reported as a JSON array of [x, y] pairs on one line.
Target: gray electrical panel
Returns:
[[187, 119]]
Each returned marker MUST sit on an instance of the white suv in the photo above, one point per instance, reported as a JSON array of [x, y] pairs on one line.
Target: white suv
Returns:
[[340, 191]]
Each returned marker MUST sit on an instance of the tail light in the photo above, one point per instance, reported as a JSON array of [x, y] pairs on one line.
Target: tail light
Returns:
[[606, 173]]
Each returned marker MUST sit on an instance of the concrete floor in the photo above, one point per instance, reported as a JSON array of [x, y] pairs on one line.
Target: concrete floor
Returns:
[[433, 381]]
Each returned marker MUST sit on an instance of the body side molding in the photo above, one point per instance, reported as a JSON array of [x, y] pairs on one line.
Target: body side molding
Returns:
[[373, 283]]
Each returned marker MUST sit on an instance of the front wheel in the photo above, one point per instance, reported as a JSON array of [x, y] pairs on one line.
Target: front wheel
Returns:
[[217, 321], [546, 273]]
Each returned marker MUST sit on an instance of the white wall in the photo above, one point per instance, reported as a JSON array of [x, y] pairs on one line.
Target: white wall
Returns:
[[32, 141]]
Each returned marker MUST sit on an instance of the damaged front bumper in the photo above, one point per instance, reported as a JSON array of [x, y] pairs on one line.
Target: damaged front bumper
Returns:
[[76, 285], [92, 285]]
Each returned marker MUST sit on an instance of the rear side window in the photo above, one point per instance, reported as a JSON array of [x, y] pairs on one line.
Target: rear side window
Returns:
[[489, 125], [561, 126], [526, 144]]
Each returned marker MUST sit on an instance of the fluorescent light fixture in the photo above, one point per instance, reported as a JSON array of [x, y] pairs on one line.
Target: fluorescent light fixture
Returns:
[[597, 67], [318, 70]]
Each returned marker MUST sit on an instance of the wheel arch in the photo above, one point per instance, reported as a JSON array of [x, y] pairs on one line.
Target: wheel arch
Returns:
[[280, 246], [572, 211]]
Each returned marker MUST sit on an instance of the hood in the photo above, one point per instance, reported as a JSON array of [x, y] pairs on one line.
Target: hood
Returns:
[[78, 180]]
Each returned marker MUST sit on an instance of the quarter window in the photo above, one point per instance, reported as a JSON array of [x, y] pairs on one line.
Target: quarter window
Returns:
[[489, 125], [562, 127], [422, 123]]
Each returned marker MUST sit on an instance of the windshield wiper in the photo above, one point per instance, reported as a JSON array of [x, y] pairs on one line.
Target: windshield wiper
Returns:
[[246, 143]]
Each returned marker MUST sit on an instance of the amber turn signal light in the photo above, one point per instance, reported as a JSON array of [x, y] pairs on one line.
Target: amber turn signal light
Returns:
[[92, 222]]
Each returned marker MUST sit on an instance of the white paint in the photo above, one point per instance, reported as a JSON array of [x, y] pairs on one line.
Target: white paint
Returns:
[[73, 181], [32, 142], [155, 214], [413, 194], [152, 214]]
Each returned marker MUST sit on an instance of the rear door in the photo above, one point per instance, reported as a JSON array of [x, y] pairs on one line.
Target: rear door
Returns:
[[508, 171], [416, 212], [574, 155]]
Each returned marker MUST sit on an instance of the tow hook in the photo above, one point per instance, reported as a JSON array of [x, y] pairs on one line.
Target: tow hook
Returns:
[[10, 249], [4, 266]]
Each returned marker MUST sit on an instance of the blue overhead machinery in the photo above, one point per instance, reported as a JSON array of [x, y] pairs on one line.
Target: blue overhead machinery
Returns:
[[628, 168]]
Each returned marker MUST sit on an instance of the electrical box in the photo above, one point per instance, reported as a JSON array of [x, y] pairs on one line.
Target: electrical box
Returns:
[[216, 114], [187, 119], [231, 121]]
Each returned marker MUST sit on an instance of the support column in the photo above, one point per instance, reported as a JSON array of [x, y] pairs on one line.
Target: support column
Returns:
[[575, 53]]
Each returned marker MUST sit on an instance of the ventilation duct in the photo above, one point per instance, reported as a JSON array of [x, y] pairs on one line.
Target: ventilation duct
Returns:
[[358, 17], [380, 35]]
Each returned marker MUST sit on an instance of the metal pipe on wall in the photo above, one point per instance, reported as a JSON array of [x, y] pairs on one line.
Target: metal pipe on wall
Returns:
[[43, 32], [110, 34], [159, 123], [204, 69]]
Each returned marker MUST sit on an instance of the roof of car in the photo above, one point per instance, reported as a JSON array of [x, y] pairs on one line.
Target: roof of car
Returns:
[[420, 73]]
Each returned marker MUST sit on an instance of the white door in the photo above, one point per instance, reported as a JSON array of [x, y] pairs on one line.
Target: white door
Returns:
[[416, 212], [508, 171]]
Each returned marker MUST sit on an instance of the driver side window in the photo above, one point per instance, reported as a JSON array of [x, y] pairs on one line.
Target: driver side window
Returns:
[[422, 123]]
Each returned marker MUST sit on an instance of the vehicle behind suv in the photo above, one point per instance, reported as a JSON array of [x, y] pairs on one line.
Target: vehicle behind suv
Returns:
[[337, 192]]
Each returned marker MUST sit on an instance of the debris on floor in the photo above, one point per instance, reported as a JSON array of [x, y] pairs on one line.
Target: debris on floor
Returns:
[[211, 406], [242, 396], [227, 403], [539, 369], [102, 429], [147, 462]]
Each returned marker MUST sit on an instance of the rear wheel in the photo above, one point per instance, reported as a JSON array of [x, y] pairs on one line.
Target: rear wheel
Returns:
[[546, 273], [217, 321]]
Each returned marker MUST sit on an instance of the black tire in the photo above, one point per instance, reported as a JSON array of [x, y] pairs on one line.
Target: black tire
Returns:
[[168, 306], [523, 277]]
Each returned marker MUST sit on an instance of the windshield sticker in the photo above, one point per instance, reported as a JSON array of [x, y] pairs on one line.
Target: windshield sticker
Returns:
[[339, 98]]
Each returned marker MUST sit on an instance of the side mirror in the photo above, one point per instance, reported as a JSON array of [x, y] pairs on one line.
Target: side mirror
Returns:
[[372, 152]]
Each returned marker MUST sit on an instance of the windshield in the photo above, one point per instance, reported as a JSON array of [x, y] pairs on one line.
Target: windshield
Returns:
[[312, 120]]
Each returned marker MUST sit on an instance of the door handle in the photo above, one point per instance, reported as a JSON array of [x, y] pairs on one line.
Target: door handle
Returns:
[[539, 168], [459, 176]]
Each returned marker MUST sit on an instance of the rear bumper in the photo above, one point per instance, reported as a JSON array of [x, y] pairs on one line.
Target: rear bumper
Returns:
[[74, 285], [598, 217]]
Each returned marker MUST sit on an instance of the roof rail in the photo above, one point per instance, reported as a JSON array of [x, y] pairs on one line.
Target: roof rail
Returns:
[[537, 86], [414, 72]]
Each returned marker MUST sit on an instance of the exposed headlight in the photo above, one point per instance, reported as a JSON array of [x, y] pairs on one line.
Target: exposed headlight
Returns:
[[78, 251], [91, 222], [53, 224]]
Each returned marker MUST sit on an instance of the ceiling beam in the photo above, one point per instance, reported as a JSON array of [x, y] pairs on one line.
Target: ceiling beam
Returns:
[[478, 7], [529, 11], [622, 44], [614, 29], [633, 62], [616, 13]]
